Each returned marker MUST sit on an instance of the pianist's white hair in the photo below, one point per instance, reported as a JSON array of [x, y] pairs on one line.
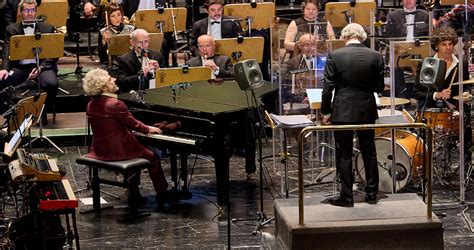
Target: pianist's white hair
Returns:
[[353, 30], [94, 81]]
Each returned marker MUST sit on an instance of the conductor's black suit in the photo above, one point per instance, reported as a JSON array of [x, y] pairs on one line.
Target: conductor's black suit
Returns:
[[354, 72]]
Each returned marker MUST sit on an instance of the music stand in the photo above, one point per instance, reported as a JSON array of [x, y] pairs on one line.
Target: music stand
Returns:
[[408, 54], [53, 12], [453, 2], [12, 145], [248, 48], [169, 76], [334, 44], [360, 13], [28, 47], [154, 22], [120, 44], [27, 106], [264, 11]]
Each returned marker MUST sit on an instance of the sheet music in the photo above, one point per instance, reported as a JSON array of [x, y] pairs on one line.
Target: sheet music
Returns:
[[292, 120]]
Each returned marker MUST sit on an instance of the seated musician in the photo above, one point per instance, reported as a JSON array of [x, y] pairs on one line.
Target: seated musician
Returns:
[[115, 26], [13, 73], [216, 25], [221, 65], [443, 41], [305, 24], [113, 140], [303, 66], [139, 64]]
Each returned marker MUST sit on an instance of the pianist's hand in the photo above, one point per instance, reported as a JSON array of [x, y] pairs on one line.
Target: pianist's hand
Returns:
[[154, 130]]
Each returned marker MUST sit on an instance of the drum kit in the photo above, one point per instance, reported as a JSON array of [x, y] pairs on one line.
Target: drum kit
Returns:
[[409, 167]]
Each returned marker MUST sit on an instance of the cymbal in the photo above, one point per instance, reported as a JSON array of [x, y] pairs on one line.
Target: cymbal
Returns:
[[385, 101], [470, 81], [467, 98]]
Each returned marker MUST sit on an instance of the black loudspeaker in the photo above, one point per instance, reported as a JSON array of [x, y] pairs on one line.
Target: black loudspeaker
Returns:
[[248, 74], [432, 72]]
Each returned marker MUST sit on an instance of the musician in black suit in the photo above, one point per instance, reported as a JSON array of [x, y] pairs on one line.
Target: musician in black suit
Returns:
[[221, 65], [13, 73], [355, 72], [216, 25], [139, 61], [407, 23]]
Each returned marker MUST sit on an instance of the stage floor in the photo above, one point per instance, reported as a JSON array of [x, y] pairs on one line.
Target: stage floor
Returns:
[[196, 224]]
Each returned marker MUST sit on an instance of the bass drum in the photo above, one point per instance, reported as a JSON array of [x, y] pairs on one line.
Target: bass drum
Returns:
[[409, 160]]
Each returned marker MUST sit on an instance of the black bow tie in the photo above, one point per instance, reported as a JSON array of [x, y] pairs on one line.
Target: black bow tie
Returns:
[[410, 13], [215, 22], [26, 25], [210, 58]]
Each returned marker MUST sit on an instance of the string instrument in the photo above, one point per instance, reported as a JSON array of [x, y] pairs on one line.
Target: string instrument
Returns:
[[452, 13], [428, 4]]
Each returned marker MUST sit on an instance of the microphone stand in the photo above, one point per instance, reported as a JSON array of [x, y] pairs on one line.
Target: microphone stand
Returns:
[[262, 219]]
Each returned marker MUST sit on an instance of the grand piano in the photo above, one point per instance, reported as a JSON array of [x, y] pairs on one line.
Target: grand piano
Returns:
[[210, 113]]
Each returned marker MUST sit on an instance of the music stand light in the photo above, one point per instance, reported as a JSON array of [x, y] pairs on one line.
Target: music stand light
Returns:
[[169, 76], [154, 22], [120, 44], [27, 47], [360, 13], [249, 48], [264, 11], [23, 128]]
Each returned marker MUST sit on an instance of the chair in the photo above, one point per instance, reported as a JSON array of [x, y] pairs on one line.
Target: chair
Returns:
[[125, 167]]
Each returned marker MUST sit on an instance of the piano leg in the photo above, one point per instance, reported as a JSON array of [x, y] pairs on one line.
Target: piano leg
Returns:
[[174, 170], [185, 194], [221, 164]]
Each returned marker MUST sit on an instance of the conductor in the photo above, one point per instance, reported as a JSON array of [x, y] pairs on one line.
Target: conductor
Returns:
[[354, 72]]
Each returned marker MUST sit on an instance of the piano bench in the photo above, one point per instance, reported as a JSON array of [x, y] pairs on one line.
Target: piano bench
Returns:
[[124, 167]]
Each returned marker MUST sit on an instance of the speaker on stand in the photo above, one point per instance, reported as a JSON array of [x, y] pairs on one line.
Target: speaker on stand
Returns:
[[249, 77]]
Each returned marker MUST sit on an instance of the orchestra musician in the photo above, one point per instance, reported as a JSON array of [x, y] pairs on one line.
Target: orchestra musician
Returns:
[[13, 73], [443, 41], [115, 26], [139, 64], [355, 72], [113, 140], [306, 24], [220, 65], [305, 61], [216, 25], [407, 23]]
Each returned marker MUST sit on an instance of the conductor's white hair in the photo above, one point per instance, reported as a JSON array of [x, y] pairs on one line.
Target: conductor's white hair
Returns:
[[353, 30]]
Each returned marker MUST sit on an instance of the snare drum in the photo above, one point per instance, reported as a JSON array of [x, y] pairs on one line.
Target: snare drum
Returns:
[[409, 159], [441, 119]]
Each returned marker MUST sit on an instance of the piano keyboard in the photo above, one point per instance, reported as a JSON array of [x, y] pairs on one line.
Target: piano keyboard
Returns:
[[59, 196], [169, 138]]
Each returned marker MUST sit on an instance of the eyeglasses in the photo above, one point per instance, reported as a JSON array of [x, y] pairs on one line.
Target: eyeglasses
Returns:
[[30, 11], [143, 42]]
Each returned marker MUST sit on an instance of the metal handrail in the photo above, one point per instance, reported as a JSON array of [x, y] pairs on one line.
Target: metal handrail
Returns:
[[307, 130]]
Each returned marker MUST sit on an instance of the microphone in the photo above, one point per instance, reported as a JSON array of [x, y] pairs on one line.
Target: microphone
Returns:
[[236, 55], [181, 85], [37, 31]]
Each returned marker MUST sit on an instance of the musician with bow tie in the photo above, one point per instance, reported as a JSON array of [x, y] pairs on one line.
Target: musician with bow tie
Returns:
[[220, 65], [137, 66], [407, 24], [216, 25], [13, 73]]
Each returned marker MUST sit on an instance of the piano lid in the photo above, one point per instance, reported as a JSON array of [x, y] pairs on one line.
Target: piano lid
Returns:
[[203, 96]]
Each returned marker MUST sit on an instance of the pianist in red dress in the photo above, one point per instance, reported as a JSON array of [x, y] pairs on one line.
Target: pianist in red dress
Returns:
[[112, 124]]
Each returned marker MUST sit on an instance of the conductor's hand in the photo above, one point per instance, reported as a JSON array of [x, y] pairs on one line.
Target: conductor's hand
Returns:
[[154, 130], [444, 94], [88, 9], [34, 73], [326, 121], [4, 74]]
